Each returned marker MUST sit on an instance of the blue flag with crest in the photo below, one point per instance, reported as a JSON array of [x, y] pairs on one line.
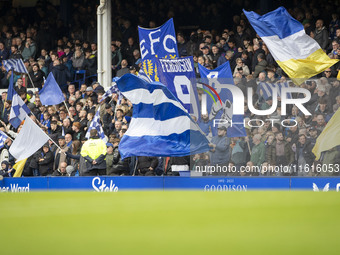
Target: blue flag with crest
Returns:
[[154, 43]]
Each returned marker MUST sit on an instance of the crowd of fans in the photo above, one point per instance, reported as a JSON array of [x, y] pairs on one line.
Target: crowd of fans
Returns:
[[47, 45]]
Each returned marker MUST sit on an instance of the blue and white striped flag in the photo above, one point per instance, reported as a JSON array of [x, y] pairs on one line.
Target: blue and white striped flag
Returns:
[[286, 85], [16, 64], [95, 124], [160, 126], [3, 138], [18, 112], [113, 89], [266, 89]]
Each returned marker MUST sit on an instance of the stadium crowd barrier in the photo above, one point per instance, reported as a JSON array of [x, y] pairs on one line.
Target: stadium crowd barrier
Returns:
[[209, 184]]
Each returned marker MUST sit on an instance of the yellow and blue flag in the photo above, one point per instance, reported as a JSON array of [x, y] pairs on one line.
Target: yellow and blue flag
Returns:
[[297, 54], [19, 167], [329, 137]]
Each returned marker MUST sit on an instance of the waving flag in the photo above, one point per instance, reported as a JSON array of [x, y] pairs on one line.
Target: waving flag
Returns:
[[298, 55], [266, 89], [11, 90], [51, 93], [113, 90], [329, 137], [180, 78], [3, 138], [213, 80], [95, 124], [30, 139], [158, 42], [18, 112], [160, 126], [19, 167], [16, 64]]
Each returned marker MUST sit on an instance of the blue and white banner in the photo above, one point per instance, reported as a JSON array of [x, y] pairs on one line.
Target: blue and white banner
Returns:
[[207, 184], [220, 99], [157, 43], [160, 126], [16, 64], [265, 89], [3, 138], [179, 76], [95, 124], [18, 112]]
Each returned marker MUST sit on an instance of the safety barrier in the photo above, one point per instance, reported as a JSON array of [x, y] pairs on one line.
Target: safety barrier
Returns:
[[121, 183]]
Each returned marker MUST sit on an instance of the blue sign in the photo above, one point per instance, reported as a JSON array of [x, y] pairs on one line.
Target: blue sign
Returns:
[[213, 85], [322, 184], [179, 76], [227, 183], [157, 43], [121, 183]]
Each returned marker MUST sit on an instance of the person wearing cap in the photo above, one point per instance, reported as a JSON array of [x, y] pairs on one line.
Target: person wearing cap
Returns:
[[94, 151], [132, 70], [90, 94], [60, 153], [4, 170], [107, 119], [219, 148], [313, 135], [109, 158], [97, 88], [45, 161]]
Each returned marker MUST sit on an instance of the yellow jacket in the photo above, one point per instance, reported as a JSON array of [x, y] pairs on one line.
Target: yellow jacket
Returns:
[[93, 148]]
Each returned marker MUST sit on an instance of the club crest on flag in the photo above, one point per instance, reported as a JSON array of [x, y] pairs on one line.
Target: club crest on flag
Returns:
[[157, 43]]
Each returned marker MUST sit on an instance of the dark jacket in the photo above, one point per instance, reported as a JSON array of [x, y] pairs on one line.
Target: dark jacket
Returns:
[[4, 54], [119, 166], [61, 75], [270, 154], [37, 78], [90, 65], [145, 162], [46, 166], [306, 152], [289, 153], [260, 67]]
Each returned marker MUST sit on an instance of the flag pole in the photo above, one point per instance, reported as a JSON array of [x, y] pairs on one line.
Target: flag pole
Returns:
[[67, 108], [29, 76], [249, 147]]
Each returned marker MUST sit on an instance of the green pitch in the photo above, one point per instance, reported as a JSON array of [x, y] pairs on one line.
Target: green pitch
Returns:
[[178, 222]]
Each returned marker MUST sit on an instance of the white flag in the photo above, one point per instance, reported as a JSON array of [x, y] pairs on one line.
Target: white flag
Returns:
[[30, 139]]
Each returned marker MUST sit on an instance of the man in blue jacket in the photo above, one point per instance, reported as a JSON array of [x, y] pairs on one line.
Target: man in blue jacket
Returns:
[[220, 152]]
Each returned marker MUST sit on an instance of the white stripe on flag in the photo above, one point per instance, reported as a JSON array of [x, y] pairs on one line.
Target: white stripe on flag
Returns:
[[144, 96], [152, 127]]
